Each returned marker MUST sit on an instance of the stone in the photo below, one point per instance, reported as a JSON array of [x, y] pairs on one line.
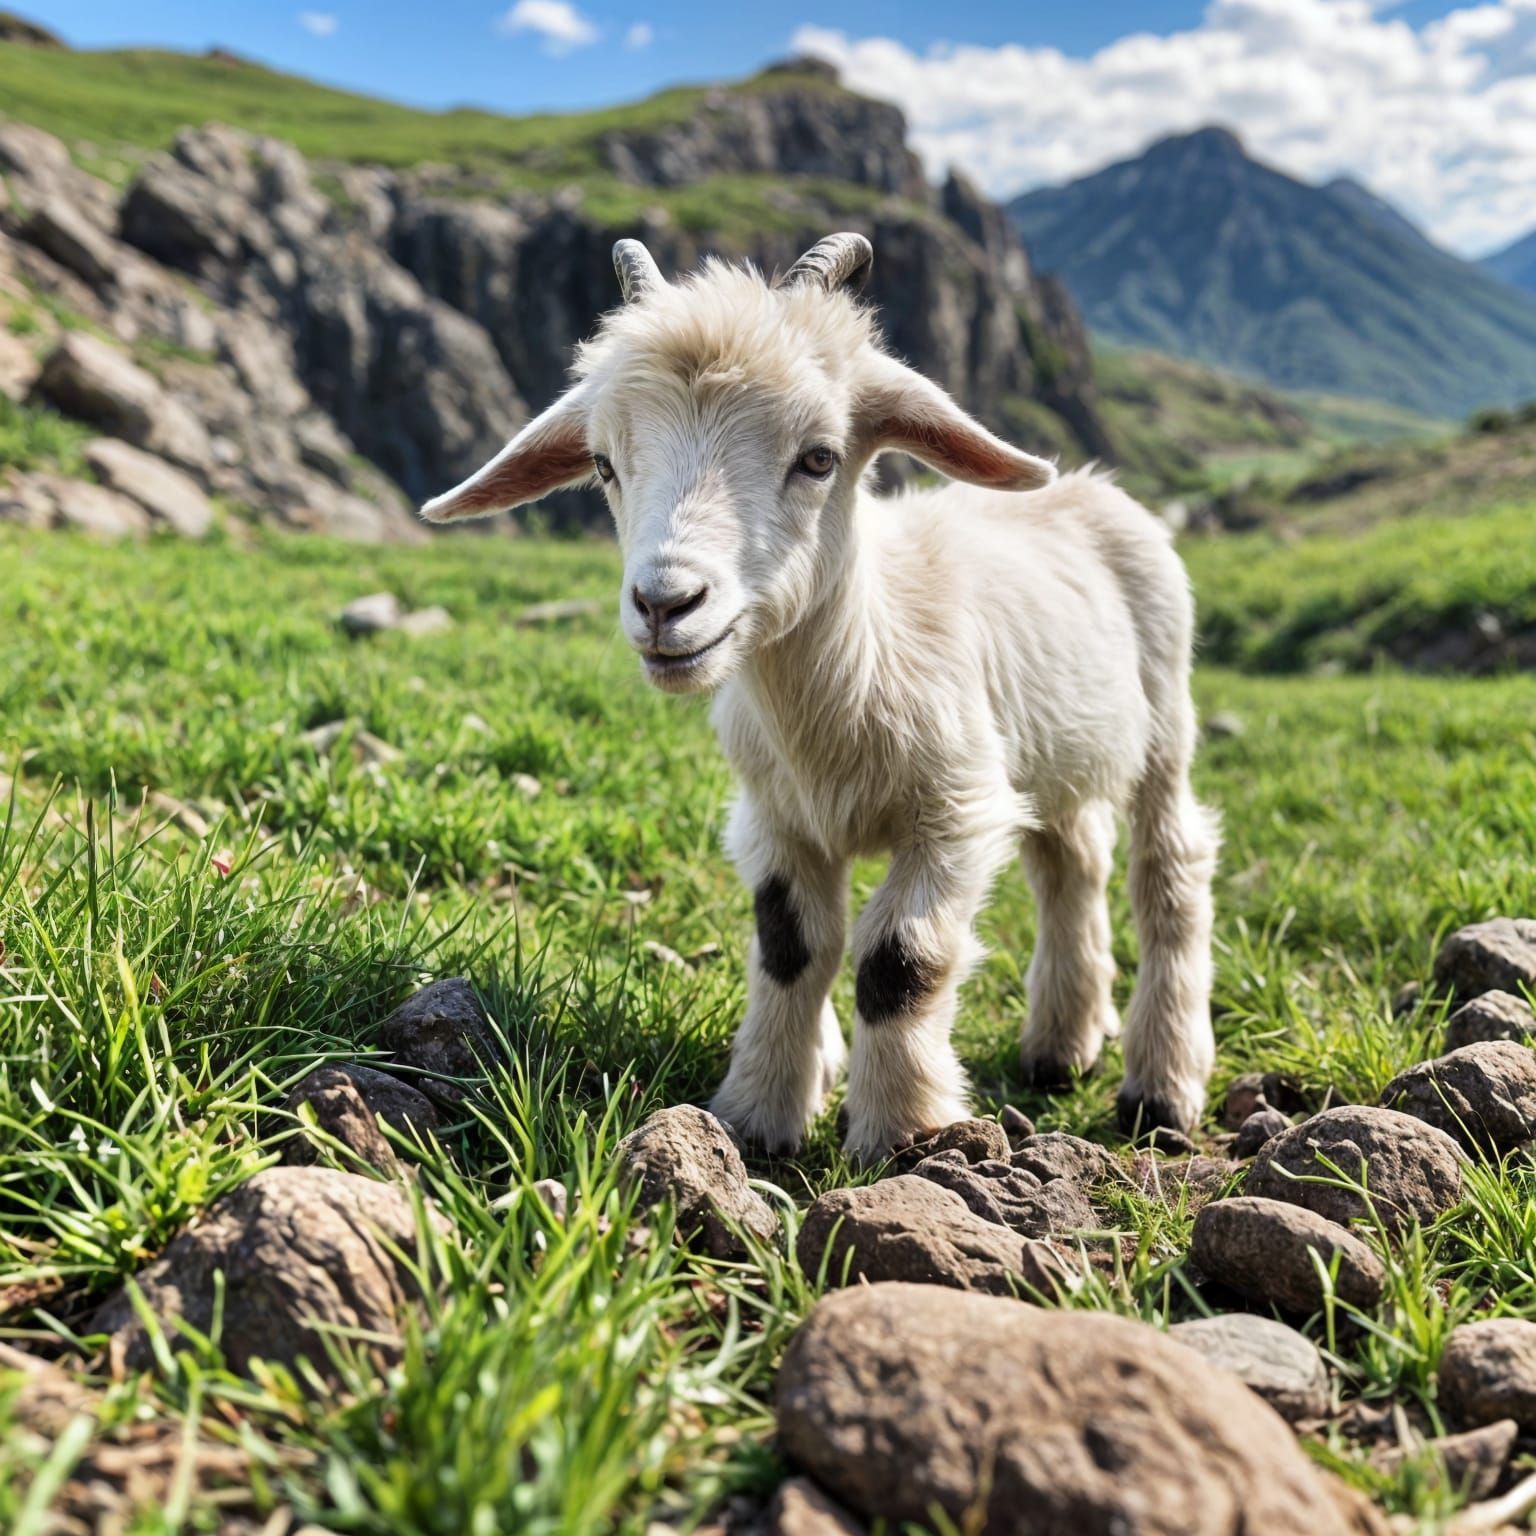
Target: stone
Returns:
[[1496, 956], [425, 621], [556, 1198], [89, 379], [19, 366], [442, 1032], [1261, 1126], [1056, 1155], [305, 1253], [686, 1156], [909, 1228], [976, 1140], [1488, 1373], [1472, 1463], [1224, 725], [368, 615], [558, 611], [91, 508], [365, 746], [800, 1508], [901, 1400], [1493, 1016], [1482, 1095], [1283, 1092], [348, 1100], [1281, 1365], [170, 497], [1016, 1125], [73, 241], [1011, 1197], [1264, 1250], [1412, 1170]]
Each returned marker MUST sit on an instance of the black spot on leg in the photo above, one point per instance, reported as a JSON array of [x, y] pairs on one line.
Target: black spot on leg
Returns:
[[892, 980], [780, 943]]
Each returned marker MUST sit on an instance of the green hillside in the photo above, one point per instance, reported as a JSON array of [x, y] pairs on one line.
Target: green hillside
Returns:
[[1196, 249]]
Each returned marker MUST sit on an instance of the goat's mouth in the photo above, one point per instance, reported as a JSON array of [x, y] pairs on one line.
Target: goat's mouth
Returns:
[[681, 672]]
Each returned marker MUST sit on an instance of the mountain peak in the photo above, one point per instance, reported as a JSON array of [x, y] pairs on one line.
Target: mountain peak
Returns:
[[1211, 141]]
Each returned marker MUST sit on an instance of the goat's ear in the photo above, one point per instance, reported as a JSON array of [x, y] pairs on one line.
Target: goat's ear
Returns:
[[550, 452], [899, 409]]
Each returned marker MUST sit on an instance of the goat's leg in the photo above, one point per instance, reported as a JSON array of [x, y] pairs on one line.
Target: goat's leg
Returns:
[[913, 946], [789, 1050], [1169, 1048], [1070, 1006]]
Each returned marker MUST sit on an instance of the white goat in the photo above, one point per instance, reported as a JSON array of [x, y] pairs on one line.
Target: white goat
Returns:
[[940, 676]]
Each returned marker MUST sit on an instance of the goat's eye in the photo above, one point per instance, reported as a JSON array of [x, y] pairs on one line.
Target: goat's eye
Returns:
[[604, 467], [818, 463]]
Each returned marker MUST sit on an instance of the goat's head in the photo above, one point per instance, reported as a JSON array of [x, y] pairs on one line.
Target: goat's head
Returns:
[[729, 420]]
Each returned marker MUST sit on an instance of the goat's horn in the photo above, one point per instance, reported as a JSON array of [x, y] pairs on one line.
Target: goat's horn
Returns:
[[637, 270], [839, 261]]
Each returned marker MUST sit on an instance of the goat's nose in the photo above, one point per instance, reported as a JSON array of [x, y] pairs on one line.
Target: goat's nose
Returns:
[[660, 605]]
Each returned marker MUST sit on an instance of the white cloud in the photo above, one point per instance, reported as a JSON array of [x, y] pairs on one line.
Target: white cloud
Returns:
[[639, 36], [319, 23], [1439, 118], [559, 23]]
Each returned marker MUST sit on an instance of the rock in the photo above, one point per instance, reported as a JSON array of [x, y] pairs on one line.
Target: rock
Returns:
[[1482, 1095], [442, 1032], [54, 501], [1016, 1125], [1496, 956], [1224, 725], [169, 496], [1493, 1016], [425, 621], [1488, 1373], [1194, 1180], [976, 1140], [1056, 1155], [800, 1508], [366, 747], [19, 366], [368, 615], [348, 1100], [1283, 1092], [530, 789], [1167, 1140], [685, 1155], [1011, 1197], [303, 1251], [901, 1400], [1264, 1250], [558, 611], [86, 378], [1406, 1000], [1472, 1463], [1261, 1126], [1278, 1363], [1245, 1097], [556, 1198], [909, 1228], [58, 228], [1412, 1170]]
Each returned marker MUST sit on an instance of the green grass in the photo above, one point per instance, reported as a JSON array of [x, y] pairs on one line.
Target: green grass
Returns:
[[158, 995], [1271, 603], [33, 437]]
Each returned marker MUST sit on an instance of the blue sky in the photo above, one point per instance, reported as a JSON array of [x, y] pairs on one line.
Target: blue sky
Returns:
[[1432, 103], [452, 51]]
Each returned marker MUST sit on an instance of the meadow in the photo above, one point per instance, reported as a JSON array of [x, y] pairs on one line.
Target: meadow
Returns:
[[197, 905]]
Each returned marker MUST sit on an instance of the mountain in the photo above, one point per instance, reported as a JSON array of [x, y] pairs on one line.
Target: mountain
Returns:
[[347, 303], [1515, 263], [1359, 198], [1196, 249]]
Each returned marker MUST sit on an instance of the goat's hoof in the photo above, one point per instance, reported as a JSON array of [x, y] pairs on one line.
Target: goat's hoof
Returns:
[[1151, 1117], [1053, 1074]]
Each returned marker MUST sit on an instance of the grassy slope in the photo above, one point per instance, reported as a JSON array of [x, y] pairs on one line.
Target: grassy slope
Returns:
[[1273, 604], [150, 1005]]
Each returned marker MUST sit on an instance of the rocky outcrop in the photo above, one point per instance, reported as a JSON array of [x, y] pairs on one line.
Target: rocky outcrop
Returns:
[[266, 324]]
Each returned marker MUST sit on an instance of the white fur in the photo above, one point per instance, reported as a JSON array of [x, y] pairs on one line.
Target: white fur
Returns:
[[946, 676]]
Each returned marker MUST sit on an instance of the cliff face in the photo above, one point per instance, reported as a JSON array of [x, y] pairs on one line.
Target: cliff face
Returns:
[[415, 321]]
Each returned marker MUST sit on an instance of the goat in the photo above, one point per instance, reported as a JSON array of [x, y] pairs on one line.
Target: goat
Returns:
[[942, 676]]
